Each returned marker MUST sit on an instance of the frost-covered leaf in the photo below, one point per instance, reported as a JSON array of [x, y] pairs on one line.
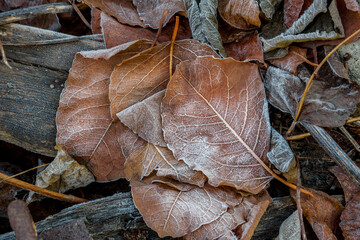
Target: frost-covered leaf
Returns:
[[215, 118], [123, 10], [147, 73], [290, 228], [151, 11], [322, 212], [248, 48], [149, 157], [240, 13], [330, 27], [62, 174], [292, 9], [244, 217], [177, 209], [85, 127], [336, 65], [351, 189], [268, 7], [280, 153], [203, 23], [329, 102], [291, 61], [352, 5]]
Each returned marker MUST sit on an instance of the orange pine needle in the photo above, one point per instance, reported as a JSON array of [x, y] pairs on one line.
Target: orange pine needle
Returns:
[[312, 77], [42, 191], [172, 43], [160, 27], [18, 174]]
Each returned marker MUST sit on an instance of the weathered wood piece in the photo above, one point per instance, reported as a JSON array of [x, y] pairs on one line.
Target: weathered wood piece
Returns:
[[29, 93], [25, 13], [116, 217]]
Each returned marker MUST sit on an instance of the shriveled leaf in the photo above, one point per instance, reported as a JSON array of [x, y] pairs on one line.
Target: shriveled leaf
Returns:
[[290, 228], [147, 73], [208, 10], [329, 102], [327, 27], [151, 11], [85, 127], [244, 217], [149, 157], [350, 217], [322, 212], [193, 12], [144, 118], [352, 5], [62, 174], [248, 48], [240, 13], [123, 10], [280, 153], [292, 9], [291, 61], [215, 118], [268, 7], [177, 209]]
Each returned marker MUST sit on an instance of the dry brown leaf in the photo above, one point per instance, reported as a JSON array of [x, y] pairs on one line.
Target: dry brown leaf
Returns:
[[95, 21], [177, 209], [248, 48], [244, 217], [215, 118], [151, 11], [123, 10], [85, 128], [240, 13], [147, 73], [149, 157], [350, 217], [291, 61], [292, 9], [323, 213]]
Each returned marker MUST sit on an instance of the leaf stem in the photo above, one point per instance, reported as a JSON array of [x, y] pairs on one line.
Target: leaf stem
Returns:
[[42, 191], [301, 103], [172, 43], [160, 27]]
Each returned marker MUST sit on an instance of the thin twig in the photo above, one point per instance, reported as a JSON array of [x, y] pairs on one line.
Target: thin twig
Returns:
[[298, 200], [18, 174], [160, 27], [301, 103], [55, 41], [352, 120], [306, 60], [80, 14], [4, 56], [42, 191], [351, 139], [172, 43], [25, 13]]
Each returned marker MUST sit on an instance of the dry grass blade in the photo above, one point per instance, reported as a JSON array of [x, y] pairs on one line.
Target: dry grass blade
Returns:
[[18, 174], [160, 27], [301, 103]]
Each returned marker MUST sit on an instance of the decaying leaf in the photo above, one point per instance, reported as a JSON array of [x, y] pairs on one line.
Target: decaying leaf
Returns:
[[291, 61], [268, 7], [335, 63], [85, 128], [292, 9], [147, 73], [240, 13], [123, 10], [248, 48], [328, 103], [215, 118], [95, 21], [280, 153], [350, 217], [242, 218], [149, 157], [329, 27], [177, 209], [62, 174], [203, 23], [322, 212], [290, 228], [354, 60], [352, 5], [150, 11]]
